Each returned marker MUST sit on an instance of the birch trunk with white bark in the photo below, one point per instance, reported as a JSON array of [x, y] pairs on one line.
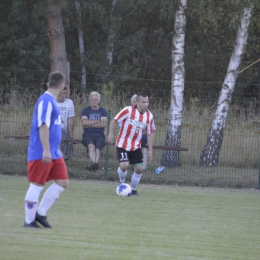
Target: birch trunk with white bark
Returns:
[[81, 52], [111, 39], [211, 150], [170, 158]]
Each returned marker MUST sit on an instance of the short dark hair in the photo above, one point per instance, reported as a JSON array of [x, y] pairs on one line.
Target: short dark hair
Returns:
[[141, 94], [56, 79]]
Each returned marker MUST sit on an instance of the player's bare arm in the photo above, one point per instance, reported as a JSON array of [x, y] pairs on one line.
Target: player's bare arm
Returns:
[[44, 136], [112, 127], [150, 138]]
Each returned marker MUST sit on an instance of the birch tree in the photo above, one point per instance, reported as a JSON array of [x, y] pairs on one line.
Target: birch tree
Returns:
[[170, 158], [81, 51], [58, 54], [211, 150], [111, 39]]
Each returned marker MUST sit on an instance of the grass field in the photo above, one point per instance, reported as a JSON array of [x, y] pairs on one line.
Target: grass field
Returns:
[[166, 222]]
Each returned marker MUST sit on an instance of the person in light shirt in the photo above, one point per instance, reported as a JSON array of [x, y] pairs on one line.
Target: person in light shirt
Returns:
[[67, 123]]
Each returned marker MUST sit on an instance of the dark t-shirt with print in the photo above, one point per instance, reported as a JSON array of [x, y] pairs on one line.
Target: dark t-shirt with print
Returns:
[[92, 114]]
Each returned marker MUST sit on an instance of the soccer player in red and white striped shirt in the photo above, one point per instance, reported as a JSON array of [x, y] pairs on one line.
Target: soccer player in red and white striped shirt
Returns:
[[133, 120]]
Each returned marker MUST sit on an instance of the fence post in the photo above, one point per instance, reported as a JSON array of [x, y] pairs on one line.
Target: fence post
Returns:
[[106, 168]]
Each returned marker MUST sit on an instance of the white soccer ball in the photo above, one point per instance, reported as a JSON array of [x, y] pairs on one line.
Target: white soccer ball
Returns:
[[123, 190]]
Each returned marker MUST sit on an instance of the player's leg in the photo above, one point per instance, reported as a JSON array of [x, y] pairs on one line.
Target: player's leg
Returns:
[[136, 177], [122, 156], [37, 176], [31, 202], [136, 158], [59, 174]]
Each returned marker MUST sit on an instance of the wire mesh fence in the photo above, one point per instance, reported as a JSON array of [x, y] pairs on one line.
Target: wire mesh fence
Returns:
[[238, 160]]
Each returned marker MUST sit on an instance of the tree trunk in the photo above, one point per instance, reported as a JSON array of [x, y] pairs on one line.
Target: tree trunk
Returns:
[[56, 35], [81, 51], [210, 152], [170, 158]]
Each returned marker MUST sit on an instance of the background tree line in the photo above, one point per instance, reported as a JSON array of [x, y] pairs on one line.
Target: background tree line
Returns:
[[137, 34]]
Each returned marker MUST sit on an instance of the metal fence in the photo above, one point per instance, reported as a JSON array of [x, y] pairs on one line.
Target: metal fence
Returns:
[[238, 162]]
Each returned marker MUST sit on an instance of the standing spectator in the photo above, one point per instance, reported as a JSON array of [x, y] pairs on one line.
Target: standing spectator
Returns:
[[94, 119], [133, 120], [67, 123], [144, 138], [45, 160]]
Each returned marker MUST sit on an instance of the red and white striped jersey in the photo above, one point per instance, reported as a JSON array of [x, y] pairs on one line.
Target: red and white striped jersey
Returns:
[[133, 123]]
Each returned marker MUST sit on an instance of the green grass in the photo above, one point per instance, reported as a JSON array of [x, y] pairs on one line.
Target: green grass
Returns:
[[165, 222], [186, 175]]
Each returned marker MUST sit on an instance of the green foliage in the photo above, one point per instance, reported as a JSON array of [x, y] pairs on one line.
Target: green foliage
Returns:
[[24, 45], [142, 44], [252, 76], [211, 31], [108, 89]]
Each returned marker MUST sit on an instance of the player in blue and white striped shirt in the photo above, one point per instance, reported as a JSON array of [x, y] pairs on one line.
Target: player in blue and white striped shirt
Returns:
[[45, 161]]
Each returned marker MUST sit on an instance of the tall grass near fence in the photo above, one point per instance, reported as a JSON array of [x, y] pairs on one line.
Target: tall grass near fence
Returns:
[[239, 156]]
